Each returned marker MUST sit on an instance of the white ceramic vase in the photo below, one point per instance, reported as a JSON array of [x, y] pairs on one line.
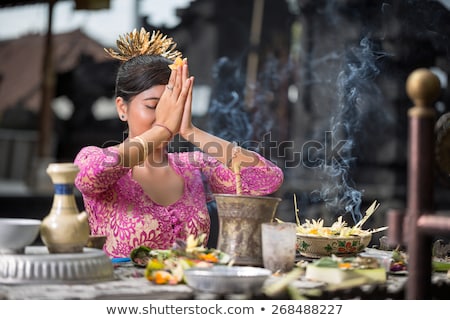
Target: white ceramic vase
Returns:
[[64, 229]]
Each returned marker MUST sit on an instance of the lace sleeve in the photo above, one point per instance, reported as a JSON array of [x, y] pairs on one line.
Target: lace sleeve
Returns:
[[255, 180], [98, 169]]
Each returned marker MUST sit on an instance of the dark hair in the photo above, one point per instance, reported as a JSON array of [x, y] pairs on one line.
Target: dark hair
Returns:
[[141, 73]]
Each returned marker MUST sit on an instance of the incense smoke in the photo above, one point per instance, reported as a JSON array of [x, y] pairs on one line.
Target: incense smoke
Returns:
[[357, 94], [228, 115]]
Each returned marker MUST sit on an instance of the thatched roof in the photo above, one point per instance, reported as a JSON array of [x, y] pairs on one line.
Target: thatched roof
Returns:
[[12, 3], [21, 67], [79, 4]]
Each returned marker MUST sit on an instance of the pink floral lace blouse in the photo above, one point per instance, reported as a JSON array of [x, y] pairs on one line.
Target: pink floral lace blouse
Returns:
[[119, 208]]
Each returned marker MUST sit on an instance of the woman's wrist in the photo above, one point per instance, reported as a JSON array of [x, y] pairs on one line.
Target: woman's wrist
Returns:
[[189, 135], [133, 151], [166, 129], [144, 145]]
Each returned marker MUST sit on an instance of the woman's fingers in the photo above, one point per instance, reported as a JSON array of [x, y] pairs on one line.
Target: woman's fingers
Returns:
[[172, 81], [185, 71], [188, 103], [186, 121], [187, 85], [181, 85], [174, 100], [177, 79], [178, 84]]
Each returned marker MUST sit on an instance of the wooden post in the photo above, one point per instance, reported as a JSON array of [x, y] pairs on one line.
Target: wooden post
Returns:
[[423, 87], [253, 59], [45, 149]]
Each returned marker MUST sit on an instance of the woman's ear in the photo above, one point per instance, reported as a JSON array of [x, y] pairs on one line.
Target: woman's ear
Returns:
[[122, 108]]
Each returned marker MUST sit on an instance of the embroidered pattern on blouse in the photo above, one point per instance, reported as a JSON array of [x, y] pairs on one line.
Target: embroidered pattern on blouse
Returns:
[[119, 208]]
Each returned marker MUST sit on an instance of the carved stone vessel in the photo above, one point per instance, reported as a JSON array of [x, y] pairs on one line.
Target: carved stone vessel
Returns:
[[240, 219]]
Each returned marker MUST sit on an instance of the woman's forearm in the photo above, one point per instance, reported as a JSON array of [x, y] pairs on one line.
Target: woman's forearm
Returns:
[[224, 151], [135, 150]]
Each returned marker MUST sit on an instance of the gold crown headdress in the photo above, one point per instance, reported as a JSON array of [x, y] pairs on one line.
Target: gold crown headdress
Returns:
[[136, 43]]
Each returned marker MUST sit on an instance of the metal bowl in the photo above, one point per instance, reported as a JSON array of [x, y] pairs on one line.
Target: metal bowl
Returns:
[[227, 279], [17, 233]]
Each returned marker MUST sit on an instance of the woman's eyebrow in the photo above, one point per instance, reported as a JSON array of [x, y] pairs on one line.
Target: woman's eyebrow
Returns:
[[152, 98]]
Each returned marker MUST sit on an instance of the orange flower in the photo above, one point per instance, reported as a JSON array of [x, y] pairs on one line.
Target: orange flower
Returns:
[[209, 257], [163, 277], [344, 265], [177, 63]]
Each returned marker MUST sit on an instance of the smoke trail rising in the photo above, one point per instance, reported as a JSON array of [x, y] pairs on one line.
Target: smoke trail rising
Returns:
[[356, 89], [229, 117]]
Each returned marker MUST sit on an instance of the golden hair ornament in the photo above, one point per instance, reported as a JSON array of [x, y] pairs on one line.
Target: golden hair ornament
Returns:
[[136, 43]]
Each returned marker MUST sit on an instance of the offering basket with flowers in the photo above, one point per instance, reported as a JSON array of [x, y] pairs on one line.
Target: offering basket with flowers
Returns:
[[315, 240]]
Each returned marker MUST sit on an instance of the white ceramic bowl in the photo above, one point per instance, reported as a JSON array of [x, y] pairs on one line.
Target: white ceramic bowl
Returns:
[[227, 279], [17, 233]]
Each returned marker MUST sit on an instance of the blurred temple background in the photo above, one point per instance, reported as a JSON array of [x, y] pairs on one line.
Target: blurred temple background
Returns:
[[317, 86]]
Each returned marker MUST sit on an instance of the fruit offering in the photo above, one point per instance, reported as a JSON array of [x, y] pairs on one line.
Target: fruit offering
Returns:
[[167, 266]]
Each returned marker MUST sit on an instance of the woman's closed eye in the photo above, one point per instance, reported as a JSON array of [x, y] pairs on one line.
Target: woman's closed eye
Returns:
[[153, 107]]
